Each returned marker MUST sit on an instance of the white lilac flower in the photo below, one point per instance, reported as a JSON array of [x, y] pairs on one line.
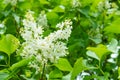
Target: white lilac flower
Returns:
[[101, 6], [12, 2], [111, 60], [115, 55], [82, 75], [76, 3], [1, 25], [42, 48], [104, 5], [42, 20], [2, 28], [108, 6]]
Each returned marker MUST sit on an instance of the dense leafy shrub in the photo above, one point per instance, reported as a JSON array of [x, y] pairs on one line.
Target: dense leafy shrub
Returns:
[[59, 39]]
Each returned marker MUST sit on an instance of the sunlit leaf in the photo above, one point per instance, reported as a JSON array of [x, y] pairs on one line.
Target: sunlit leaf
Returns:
[[66, 2], [92, 54], [44, 2], [79, 66], [114, 27], [63, 65], [119, 73], [95, 4], [60, 8], [20, 64], [25, 5], [100, 50], [9, 44]]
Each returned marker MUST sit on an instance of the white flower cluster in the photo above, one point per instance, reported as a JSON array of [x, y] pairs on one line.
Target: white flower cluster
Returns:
[[95, 35], [44, 49], [2, 28], [114, 48], [82, 75], [42, 20], [76, 3], [12, 2], [109, 6]]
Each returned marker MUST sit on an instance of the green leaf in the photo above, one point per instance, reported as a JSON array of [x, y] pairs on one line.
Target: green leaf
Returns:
[[11, 27], [9, 44], [95, 4], [66, 2], [25, 5], [86, 2], [79, 66], [60, 8], [119, 73], [3, 76], [100, 50], [114, 27], [16, 17], [55, 74], [20, 64], [92, 54], [44, 2], [63, 65], [52, 18], [86, 13]]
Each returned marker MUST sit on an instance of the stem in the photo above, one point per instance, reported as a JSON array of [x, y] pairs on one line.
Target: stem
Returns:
[[17, 77], [43, 72], [100, 69], [8, 60]]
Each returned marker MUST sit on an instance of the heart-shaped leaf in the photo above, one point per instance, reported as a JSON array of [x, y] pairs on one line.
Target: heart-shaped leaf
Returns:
[[9, 44]]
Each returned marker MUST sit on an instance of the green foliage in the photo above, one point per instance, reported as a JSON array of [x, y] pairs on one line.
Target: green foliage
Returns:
[[94, 44]]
